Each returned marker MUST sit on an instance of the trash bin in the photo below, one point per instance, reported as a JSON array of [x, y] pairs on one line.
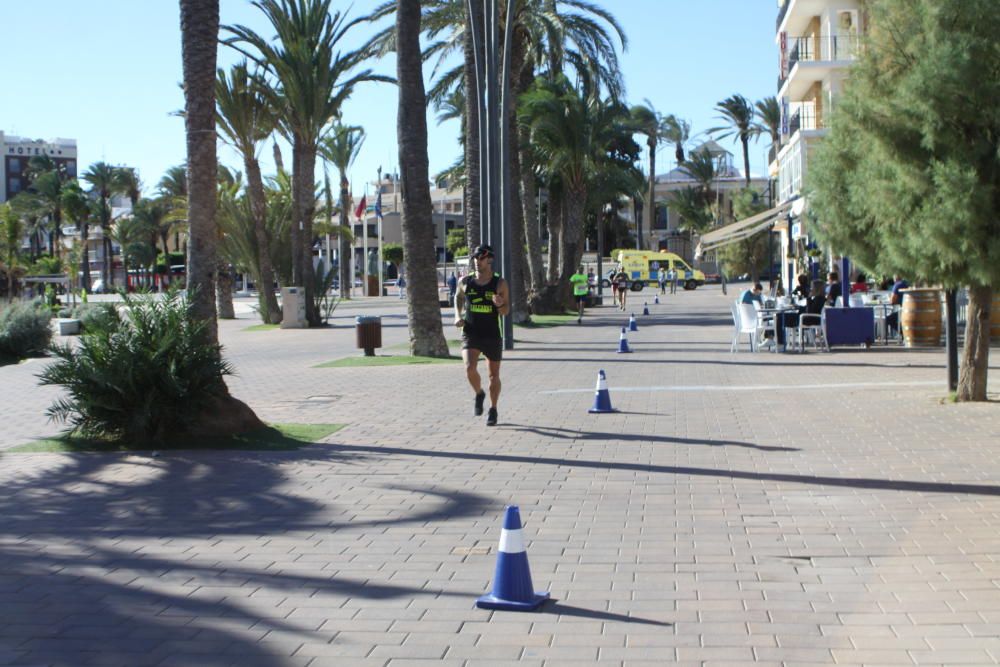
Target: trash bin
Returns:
[[368, 331]]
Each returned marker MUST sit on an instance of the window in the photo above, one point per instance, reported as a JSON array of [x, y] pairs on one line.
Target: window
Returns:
[[14, 166], [13, 186]]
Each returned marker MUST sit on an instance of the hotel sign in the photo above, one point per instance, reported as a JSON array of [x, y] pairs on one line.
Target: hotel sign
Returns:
[[783, 62], [784, 116]]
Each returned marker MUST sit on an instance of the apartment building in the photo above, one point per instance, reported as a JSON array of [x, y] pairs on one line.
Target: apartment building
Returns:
[[16, 152], [817, 42]]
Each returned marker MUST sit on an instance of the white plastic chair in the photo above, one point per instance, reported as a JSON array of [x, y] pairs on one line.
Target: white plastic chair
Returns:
[[856, 300], [735, 309], [748, 324], [814, 326]]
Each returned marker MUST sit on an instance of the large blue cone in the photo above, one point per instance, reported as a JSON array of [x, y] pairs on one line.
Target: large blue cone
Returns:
[[632, 324], [623, 343], [512, 588], [602, 397]]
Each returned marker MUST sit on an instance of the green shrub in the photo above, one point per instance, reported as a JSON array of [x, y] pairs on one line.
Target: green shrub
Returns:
[[141, 376], [95, 316], [46, 265], [24, 330]]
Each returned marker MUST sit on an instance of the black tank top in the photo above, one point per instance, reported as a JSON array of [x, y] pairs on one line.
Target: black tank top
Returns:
[[481, 317]]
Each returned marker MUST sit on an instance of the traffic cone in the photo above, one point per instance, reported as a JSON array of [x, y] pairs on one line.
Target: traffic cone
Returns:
[[645, 308], [632, 325], [656, 299], [623, 343], [512, 588], [602, 397]]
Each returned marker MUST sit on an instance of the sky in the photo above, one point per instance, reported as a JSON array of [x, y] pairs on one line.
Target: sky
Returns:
[[107, 73]]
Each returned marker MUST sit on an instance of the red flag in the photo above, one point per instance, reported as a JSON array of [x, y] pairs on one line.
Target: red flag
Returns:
[[360, 210]]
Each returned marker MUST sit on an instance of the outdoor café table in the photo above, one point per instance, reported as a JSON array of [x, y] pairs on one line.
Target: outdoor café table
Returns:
[[778, 315], [882, 310]]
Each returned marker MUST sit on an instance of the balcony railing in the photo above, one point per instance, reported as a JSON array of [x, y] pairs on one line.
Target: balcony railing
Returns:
[[804, 119], [831, 47]]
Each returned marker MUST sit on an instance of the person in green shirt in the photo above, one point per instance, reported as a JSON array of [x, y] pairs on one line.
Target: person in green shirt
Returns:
[[580, 289]]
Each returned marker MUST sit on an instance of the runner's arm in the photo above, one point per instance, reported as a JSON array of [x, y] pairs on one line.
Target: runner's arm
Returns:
[[459, 303], [503, 303]]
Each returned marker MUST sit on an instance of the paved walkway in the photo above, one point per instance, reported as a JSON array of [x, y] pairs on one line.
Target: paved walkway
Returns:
[[766, 509]]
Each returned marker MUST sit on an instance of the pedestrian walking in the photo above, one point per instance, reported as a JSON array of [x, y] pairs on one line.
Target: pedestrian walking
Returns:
[[481, 300], [580, 289], [401, 284], [662, 279], [673, 280]]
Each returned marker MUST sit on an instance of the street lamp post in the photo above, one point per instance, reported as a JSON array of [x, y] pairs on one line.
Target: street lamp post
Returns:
[[608, 209]]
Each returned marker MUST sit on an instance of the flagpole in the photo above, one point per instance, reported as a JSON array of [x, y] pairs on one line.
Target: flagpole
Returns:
[[378, 222]]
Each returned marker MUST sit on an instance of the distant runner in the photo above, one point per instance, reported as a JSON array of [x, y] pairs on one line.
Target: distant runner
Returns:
[[485, 298], [620, 283], [581, 287]]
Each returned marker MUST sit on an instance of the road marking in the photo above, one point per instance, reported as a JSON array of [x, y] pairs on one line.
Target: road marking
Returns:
[[756, 387]]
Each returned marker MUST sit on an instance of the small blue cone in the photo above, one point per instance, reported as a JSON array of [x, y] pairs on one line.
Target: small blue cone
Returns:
[[602, 397], [623, 343], [512, 588], [645, 308], [632, 324], [656, 298]]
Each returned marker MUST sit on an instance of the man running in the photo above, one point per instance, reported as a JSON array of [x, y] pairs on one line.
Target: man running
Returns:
[[580, 289], [485, 297]]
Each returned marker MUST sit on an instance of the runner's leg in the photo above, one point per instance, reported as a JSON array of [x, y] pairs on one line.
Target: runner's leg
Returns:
[[494, 368], [471, 359]]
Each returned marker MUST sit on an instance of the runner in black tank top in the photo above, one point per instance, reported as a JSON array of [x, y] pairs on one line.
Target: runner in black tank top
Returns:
[[479, 303]]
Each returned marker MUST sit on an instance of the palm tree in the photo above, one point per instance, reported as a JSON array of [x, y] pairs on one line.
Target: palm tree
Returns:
[[172, 189], [131, 233], [103, 185], [572, 133], [426, 333], [656, 129], [153, 216], [245, 118], [341, 146], [739, 114], [77, 208], [45, 192], [127, 182], [312, 81], [678, 133]]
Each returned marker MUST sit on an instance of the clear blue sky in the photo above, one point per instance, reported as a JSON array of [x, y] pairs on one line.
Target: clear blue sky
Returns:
[[107, 74]]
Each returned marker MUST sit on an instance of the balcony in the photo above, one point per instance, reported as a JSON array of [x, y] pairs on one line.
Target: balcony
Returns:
[[804, 119], [781, 14]]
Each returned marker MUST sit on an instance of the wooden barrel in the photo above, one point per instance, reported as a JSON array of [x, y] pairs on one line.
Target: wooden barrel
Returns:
[[921, 317]]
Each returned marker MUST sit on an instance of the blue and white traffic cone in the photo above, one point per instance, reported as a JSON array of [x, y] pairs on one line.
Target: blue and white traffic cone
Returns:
[[602, 397], [632, 324], [656, 299], [623, 343], [512, 588], [645, 308]]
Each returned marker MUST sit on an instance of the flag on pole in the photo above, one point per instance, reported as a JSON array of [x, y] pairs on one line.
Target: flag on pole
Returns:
[[359, 212], [378, 203]]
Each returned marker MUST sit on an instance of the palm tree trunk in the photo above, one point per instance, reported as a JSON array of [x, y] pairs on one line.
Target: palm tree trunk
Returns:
[[572, 252], [258, 204], [532, 239], [976, 353], [304, 196], [519, 278], [346, 279], [224, 292], [746, 159], [85, 255], [199, 36], [472, 191], [426, 333], [555, 224], [651, 194]]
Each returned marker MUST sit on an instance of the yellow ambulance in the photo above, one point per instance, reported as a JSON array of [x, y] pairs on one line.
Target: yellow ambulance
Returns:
[[645, 266]]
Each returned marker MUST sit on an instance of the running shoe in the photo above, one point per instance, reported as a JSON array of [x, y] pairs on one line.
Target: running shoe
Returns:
[[491, 417], [480, 397]]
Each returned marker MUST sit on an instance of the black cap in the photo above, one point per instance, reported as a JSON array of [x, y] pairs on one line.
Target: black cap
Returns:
[[481, 250]]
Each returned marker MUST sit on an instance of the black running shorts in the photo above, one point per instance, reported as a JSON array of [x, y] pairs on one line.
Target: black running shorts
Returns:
[[491, 348]]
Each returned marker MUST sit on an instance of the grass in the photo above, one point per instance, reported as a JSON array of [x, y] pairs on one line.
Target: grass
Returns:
[[545, 321], [262, 327], [453, 342], [274, 437], [385, 360]]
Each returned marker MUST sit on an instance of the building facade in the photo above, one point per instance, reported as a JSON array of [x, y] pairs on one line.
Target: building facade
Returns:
[[16, 152], [817, 40]]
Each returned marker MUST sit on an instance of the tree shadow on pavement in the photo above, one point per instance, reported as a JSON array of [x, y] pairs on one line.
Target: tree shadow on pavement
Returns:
[[99, 565], [811, 480], [572, 434]]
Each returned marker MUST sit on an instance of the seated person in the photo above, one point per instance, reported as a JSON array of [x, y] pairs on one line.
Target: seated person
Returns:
[[860, 284], [896, 299], [751, 295], [833, 289], [801, 290]]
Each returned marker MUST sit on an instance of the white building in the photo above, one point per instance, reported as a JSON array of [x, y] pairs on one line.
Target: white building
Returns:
[[16, 152]]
